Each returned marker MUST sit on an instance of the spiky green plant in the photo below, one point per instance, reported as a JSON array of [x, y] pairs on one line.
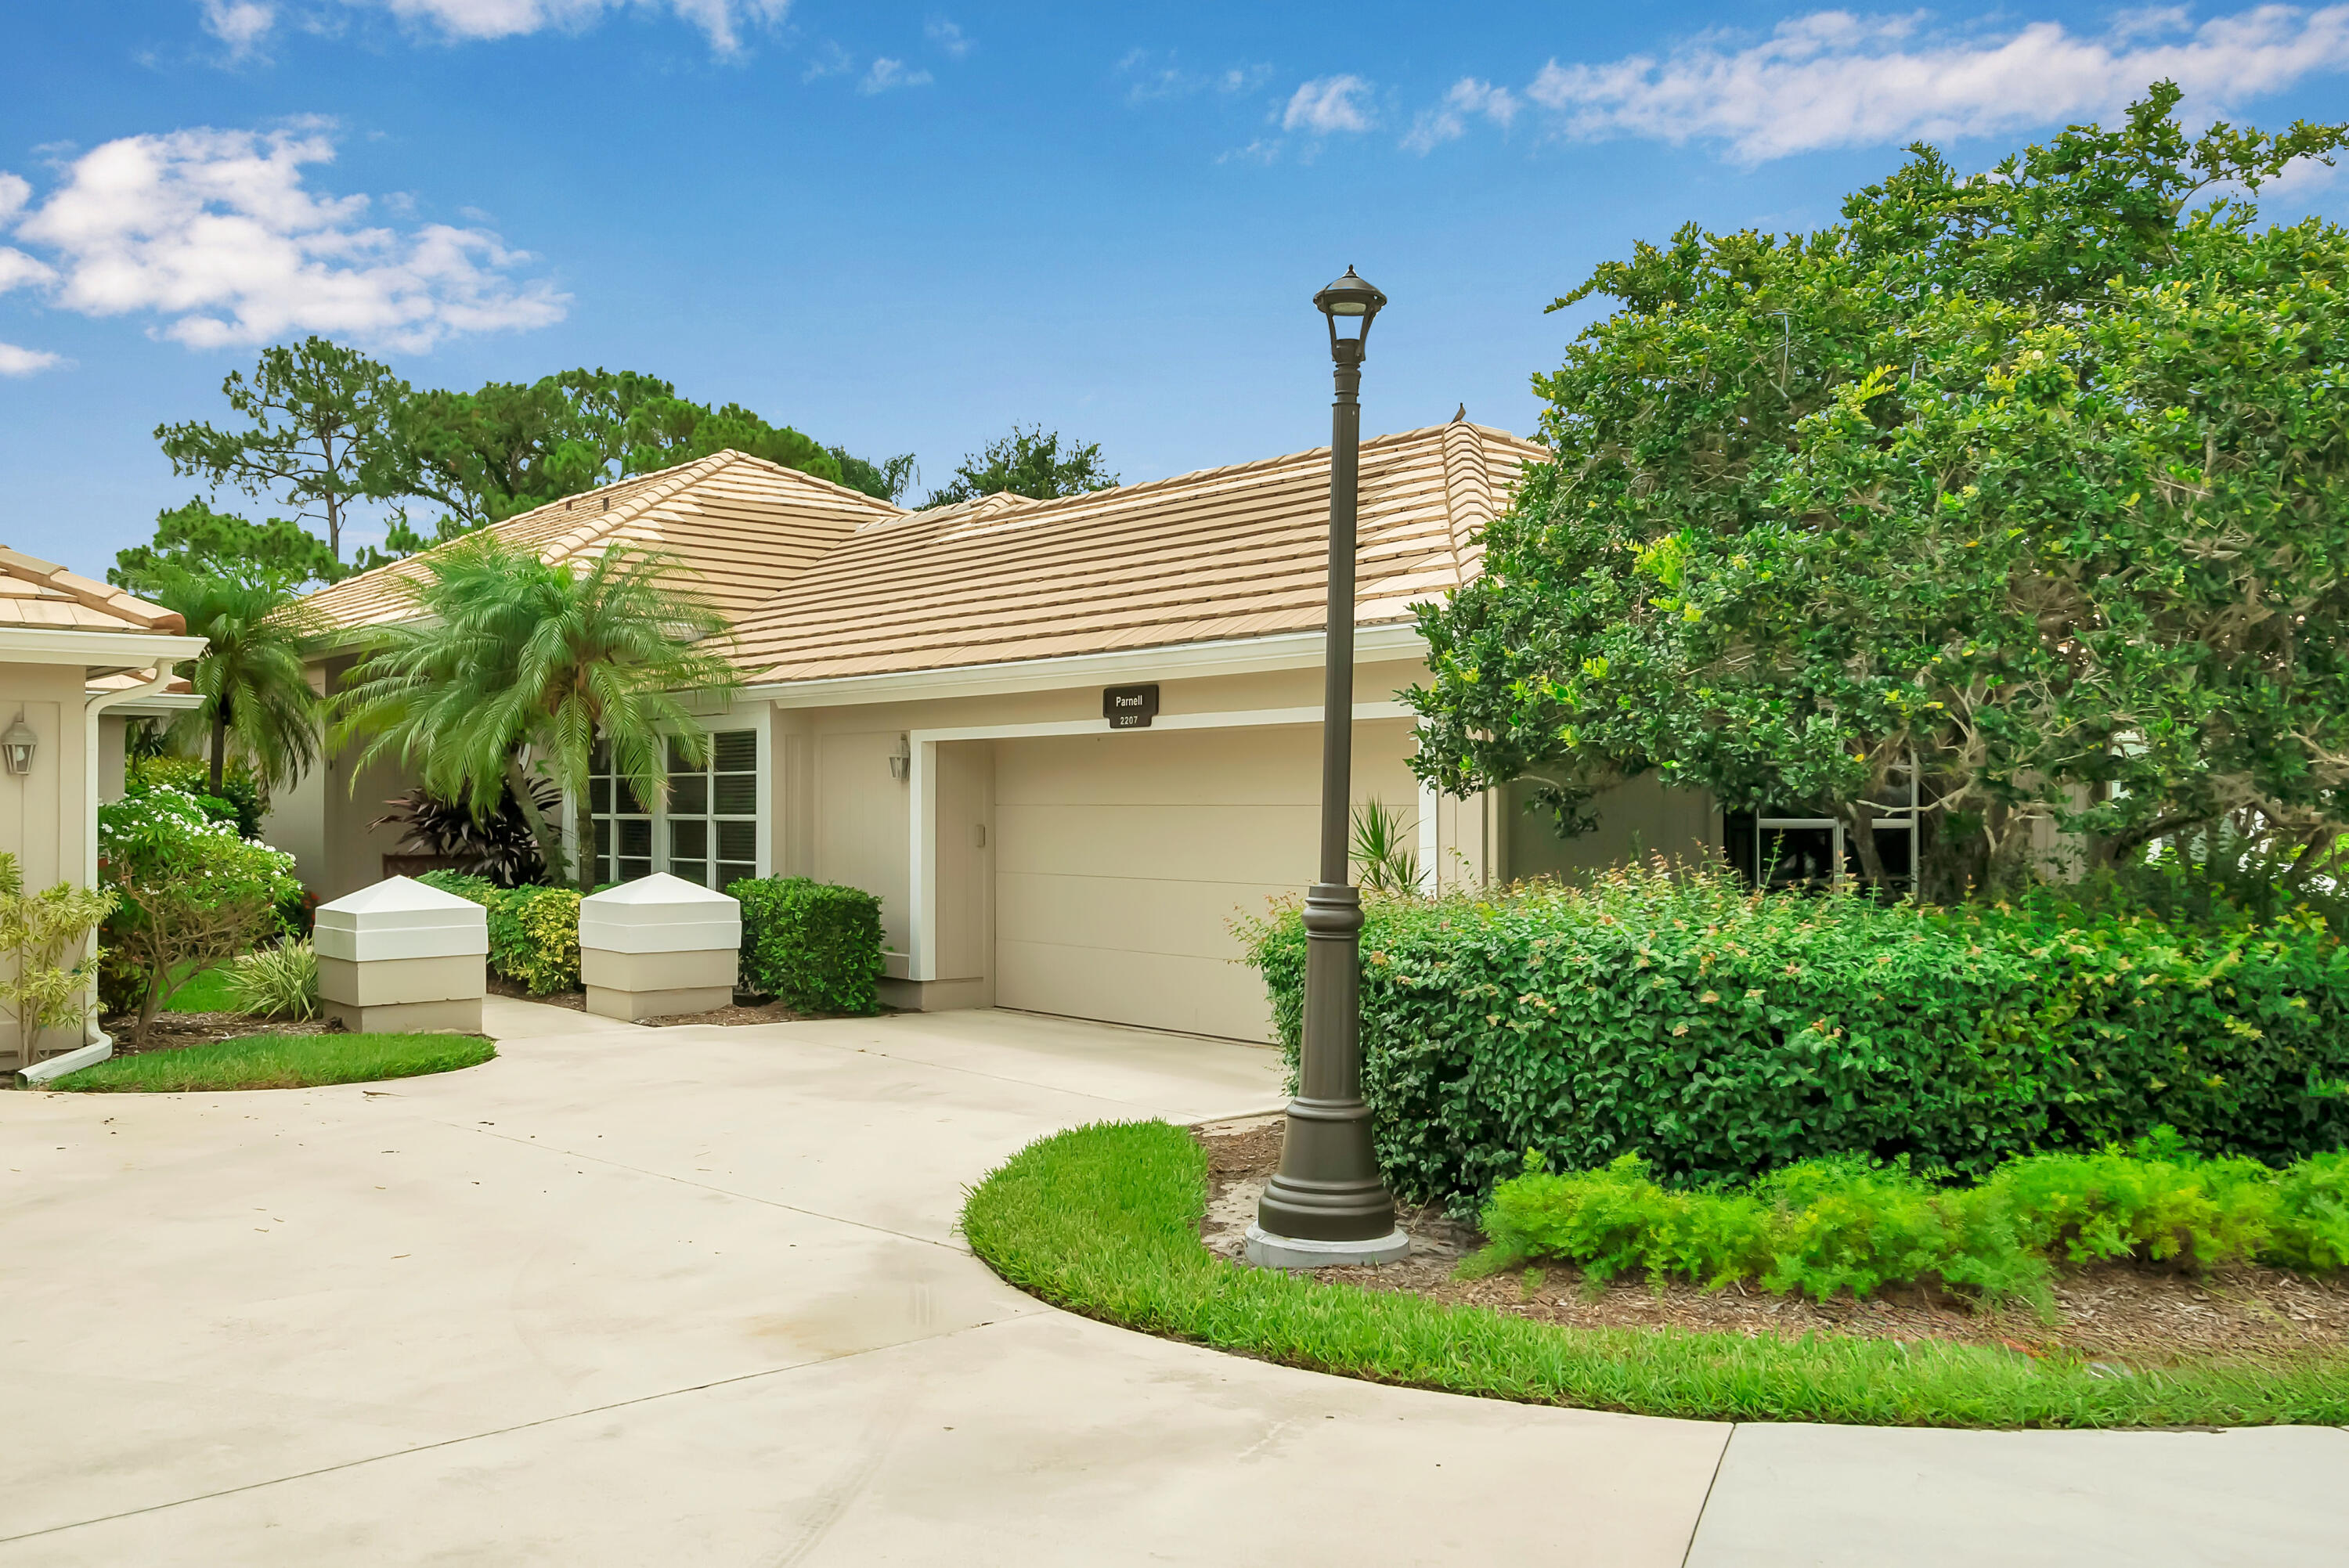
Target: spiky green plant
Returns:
[[257, 700], [1384, 858], [280, 981], [507, 656]]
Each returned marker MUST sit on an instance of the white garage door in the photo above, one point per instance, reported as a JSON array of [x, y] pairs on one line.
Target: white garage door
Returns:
[[1122, 858]]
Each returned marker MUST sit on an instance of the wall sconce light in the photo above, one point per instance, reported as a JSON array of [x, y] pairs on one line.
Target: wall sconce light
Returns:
[[17, 744], [901, 762]]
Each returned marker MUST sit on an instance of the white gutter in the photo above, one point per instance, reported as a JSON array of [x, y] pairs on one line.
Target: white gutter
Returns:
[[123, 650], [1239, 656], [100, 1045]]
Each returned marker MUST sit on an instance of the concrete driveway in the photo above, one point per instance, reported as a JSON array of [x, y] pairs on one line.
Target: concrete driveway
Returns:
[[630, 1296]]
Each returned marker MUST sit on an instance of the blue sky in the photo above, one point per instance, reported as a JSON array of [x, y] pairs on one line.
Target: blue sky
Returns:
[[904, 227]]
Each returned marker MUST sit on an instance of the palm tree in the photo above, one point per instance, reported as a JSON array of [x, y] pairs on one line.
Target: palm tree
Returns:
[[507, 652], [257, 700]]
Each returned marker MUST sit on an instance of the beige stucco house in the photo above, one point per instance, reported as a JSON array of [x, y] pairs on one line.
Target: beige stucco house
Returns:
[[926, 715], [77, 659]]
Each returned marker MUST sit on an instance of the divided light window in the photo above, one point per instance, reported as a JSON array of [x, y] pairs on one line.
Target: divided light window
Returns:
[[624, 824], [712, 818], [1801, 846]]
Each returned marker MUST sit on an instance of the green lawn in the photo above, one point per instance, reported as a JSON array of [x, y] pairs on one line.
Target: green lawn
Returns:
[[206, 992], [1104, 1221], [281, 1061]]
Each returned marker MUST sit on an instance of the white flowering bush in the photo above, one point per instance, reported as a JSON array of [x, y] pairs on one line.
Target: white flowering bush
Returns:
[[193, 892]]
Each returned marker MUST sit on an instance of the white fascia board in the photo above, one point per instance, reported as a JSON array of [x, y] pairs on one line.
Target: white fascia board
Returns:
[[113, 650], [157, 706], [1178, 660]]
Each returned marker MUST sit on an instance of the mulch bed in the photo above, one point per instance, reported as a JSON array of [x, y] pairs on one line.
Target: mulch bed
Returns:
[[765, 1013], [170, 1031], [2148, 1316]]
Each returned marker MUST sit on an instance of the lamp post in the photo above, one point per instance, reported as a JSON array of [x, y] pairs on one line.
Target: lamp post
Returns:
[[1327, 1206]]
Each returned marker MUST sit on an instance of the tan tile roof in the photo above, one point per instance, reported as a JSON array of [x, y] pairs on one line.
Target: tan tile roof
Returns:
[[1227, 552], [740, 524], [41, 594]]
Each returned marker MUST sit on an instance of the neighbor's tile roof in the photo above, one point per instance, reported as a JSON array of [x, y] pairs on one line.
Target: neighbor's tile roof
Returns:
[[41, 594], [1227, 552], [740, 525]]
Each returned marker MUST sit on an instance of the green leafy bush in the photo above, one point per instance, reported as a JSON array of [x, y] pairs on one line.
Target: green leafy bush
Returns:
[[1719, 1034], [192, 893], [280, 981], [244, 796], [814, 945], [1829, 1225], [533, 931]]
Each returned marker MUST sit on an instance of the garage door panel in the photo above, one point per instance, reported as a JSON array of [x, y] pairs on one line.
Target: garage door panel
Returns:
[[1165, 767], [1206, 843], [1189, 918], [1154, 990]]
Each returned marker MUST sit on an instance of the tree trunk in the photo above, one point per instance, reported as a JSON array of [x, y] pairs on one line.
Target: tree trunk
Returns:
[[1860, 832], [220, 746], [548, 834]]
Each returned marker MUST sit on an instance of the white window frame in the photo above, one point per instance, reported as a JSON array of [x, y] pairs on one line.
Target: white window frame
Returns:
[[579, 829]]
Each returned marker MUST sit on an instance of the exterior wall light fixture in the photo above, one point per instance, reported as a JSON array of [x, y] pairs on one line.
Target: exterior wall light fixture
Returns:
[[901, 761], [16, 745]]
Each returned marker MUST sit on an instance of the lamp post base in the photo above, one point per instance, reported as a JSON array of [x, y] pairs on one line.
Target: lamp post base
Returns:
[[1267, 1251]]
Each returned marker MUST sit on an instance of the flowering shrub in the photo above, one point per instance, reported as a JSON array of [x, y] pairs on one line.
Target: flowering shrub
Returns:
[[193, 892], [1721, 1033]]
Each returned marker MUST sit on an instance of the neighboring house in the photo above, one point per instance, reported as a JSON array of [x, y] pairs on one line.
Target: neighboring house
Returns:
[[926, 715], [77, 659]]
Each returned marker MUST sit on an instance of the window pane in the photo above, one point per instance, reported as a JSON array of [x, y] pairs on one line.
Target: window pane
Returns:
[[688, 794], [735, 751], [689, 839], [599, 795], [738, 841], [680, 760], [629, 871], [733, 871], [636, 837], [603, 835], [738, 794], [630, 801], [1796, 857], [694, 872]]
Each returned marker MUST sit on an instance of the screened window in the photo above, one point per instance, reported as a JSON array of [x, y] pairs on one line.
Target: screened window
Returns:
[[712, 821]]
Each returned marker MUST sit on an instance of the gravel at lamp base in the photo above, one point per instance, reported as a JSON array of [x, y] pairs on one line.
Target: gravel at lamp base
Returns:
[[1267, 1251]]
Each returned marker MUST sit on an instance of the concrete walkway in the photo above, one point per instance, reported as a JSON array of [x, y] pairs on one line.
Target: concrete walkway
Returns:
[[629, 1296]]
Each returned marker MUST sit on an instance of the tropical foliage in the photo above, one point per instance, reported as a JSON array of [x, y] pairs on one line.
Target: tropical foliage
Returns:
[[499, 847], [510, 663], [533, 931], [192, 893], [1823, 1226], [279, 981], [256, 693], [2037, 480], [44, 937]]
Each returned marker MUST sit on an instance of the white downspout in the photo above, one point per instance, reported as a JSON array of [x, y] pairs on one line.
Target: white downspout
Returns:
[[99, 1045]]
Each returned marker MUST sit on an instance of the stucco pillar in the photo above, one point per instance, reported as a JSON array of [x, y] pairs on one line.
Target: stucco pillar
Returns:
[[401, 956], [658, 945]]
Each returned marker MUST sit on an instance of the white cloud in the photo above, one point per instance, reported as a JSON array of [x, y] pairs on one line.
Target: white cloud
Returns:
[[14, 191], [214, 231], [944, 35], [830, 60], [18, 270], [1328, 104], [1835, 79], [1448, 121], [15, 361], [886, 73], [242, 25], [1152, 76], [722, 21]]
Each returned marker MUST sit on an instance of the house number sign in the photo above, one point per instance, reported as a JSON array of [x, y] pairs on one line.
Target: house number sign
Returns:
[[1130, 708]]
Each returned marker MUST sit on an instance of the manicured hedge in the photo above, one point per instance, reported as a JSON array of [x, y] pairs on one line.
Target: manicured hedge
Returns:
[[1719, 1034], [814, 945], [533, 931]]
